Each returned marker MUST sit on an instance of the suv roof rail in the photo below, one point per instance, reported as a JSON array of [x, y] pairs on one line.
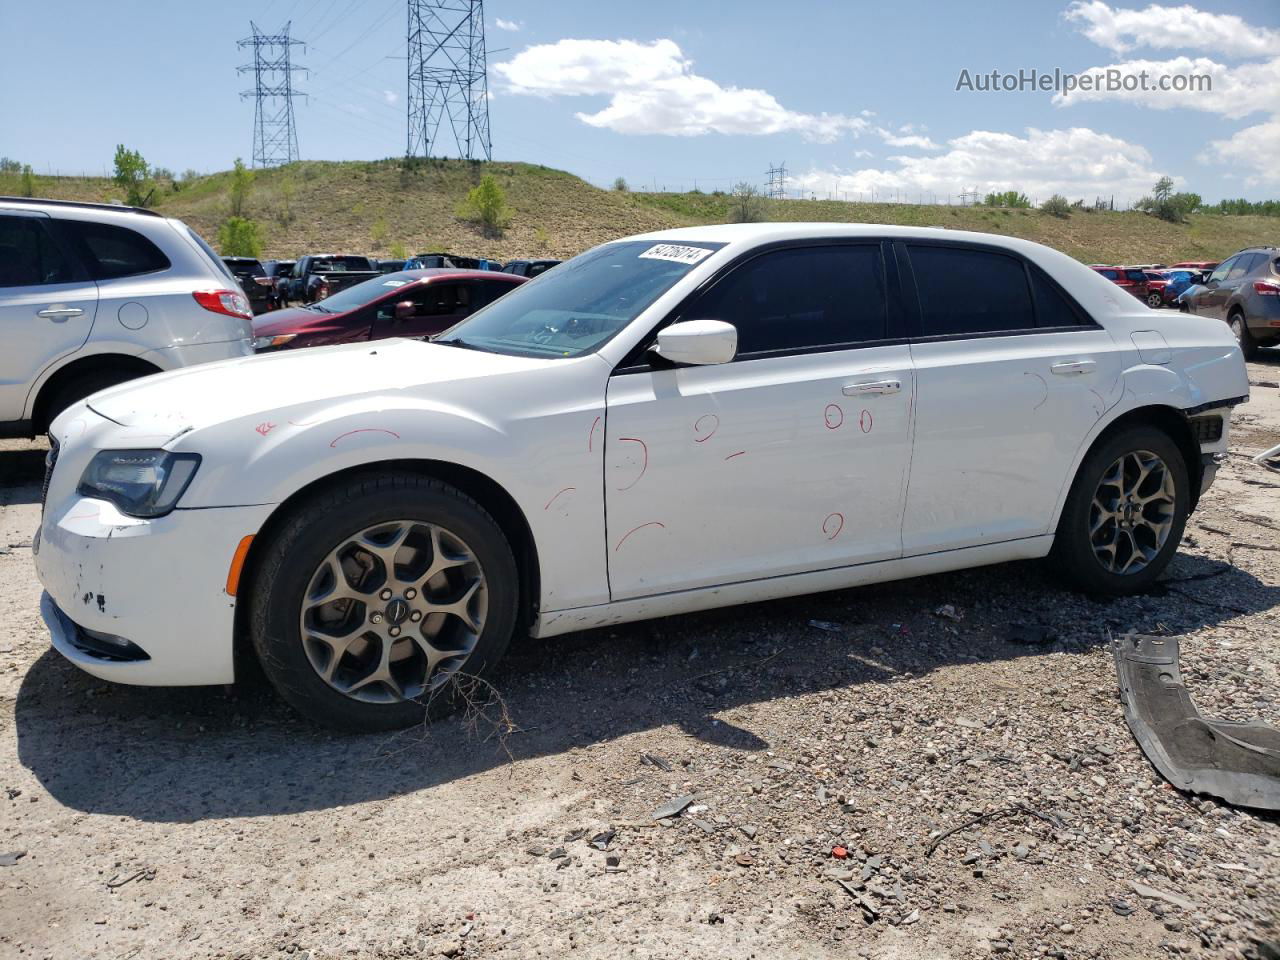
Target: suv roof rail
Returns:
[[81, 204]]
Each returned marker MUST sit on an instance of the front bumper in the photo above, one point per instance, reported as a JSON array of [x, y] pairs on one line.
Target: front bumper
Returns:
[[158, 584]]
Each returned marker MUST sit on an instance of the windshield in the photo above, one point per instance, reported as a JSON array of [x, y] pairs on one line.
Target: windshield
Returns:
[[577, 307], [362, 293]]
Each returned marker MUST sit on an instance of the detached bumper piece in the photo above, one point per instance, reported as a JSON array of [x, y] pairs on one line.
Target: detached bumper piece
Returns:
[[1236, 762]]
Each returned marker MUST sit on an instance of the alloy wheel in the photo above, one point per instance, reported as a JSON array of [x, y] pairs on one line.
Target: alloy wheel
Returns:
[[1237, 328], [1132, 512], [393, 611], [1154, 300]]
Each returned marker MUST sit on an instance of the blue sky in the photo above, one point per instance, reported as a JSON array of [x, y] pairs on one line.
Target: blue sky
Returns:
[[855, 97]]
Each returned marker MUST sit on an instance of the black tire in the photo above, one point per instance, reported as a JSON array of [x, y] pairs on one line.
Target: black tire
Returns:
[[1240, 327], [1073, 550], [84, 385], [318, 526]]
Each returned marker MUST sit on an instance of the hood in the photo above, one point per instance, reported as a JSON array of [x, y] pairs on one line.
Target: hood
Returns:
[[273, 386], [284, 321]]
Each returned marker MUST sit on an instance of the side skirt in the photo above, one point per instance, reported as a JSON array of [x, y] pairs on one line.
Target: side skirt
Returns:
[[553, 622]]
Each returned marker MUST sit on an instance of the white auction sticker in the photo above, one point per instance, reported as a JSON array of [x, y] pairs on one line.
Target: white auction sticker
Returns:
[[676, 252]]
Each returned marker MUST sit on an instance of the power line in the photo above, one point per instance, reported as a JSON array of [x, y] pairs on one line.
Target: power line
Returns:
[[448, 79], [275, 137], [776, 182]]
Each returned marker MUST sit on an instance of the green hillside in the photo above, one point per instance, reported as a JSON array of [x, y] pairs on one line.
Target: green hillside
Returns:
[[369, 207]]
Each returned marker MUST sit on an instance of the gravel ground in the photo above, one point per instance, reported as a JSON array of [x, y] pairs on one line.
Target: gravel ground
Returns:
[[212, 823]]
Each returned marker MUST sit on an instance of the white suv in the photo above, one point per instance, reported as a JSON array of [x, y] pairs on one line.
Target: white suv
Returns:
[[92, 295]]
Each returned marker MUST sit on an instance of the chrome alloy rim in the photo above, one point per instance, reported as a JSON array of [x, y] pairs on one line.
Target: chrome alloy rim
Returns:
[[393, 611], [1132, 512]]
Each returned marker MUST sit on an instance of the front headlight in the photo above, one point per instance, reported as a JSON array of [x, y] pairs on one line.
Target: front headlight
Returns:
[[271, 343], [141, 483]]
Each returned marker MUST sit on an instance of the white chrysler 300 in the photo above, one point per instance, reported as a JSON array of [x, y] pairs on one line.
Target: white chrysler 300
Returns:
[[666, 423]]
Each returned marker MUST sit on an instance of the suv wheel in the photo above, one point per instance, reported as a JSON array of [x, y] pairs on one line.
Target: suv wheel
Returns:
[[1248, 346], [1154, 300], [1124, 516], [84, 385], [376, 598]]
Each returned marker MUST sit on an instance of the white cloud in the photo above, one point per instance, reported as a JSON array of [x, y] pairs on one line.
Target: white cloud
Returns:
[[1078, 162], [1171, 28], [390, 96], [862, 154], [653, 90], [1254, 147], [509, 25], [1233, 91], [905, 138]]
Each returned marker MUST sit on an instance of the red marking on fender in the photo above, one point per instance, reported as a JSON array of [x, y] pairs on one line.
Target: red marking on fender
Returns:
[[643, 466], [738, 454], [553, 499], [833, 416], [839, 517], [865, 421], [651, 523], [265, 427], [591, 434], [363, 430], [714, 427]]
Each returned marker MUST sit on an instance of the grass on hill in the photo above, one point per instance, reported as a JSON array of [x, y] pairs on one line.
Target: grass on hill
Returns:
[[369, 207]]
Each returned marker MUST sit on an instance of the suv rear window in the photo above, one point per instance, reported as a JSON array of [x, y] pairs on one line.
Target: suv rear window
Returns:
[[28, 256], [1137, 276], [341, 264], [110, 251]]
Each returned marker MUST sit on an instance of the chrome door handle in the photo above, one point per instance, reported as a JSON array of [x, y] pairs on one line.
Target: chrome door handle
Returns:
[[59, 313], [1068, 368], [871, 386]]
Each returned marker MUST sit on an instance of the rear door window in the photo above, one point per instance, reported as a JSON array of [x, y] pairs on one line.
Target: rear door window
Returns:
[[805, 298], [28, 255], [1136, 276], [967, 291], [1053, 309], [110, 251], [1109, 274]]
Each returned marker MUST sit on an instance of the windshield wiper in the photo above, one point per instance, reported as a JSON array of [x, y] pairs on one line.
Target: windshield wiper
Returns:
[[465, 344]]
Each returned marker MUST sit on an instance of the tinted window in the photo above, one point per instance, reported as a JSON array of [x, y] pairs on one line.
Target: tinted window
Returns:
[[28, 256], [443, 299], [1052, 307], [537, 268], [1110, 275], [110, 251], [970, 291], [1245, 264], [1136, 276], [340, 264], [1223, 268], [487, 291], [800, 298]]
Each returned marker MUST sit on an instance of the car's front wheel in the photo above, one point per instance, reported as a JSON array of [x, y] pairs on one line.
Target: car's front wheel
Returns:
[[1124, 516], [1154, 301], [377, 601]]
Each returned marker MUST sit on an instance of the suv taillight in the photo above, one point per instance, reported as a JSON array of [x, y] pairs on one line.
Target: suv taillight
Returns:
[[1266, 288], [229, 302]]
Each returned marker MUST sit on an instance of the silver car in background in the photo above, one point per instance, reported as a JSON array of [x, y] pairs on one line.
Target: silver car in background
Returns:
[[92, 295]]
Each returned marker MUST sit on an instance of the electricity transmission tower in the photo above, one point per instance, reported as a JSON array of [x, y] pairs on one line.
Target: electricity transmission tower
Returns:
[[448, 78], [275, 138], [776, 182]]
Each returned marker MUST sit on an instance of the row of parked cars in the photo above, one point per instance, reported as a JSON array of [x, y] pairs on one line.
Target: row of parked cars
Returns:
[[1243, 291], [274, 284]]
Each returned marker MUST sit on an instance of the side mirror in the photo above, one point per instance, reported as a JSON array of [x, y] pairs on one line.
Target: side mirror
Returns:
[[404, 309], [697, 342]]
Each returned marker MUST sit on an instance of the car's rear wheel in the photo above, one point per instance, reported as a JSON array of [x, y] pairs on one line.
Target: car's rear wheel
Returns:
[[377, 602], [1125, 513], [85, 385], [1248, 346], [1154, 300]]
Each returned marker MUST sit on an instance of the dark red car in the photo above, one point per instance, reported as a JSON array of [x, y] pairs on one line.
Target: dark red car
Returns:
[[1130, 279], [411, 303]]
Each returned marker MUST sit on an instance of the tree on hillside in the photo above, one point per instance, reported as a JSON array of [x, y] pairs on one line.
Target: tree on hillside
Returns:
[[620, 185], [486, 204], [131, 176], [241, 183], [745, 205], [1009, 198], [1162, 202], [28, 181], [1057, 206], [239, 237]]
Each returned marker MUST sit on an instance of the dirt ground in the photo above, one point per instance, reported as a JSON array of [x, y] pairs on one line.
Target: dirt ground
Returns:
[[201, 822]]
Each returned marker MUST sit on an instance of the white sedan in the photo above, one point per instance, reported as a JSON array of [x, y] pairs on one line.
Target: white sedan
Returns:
[[671, 422]]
